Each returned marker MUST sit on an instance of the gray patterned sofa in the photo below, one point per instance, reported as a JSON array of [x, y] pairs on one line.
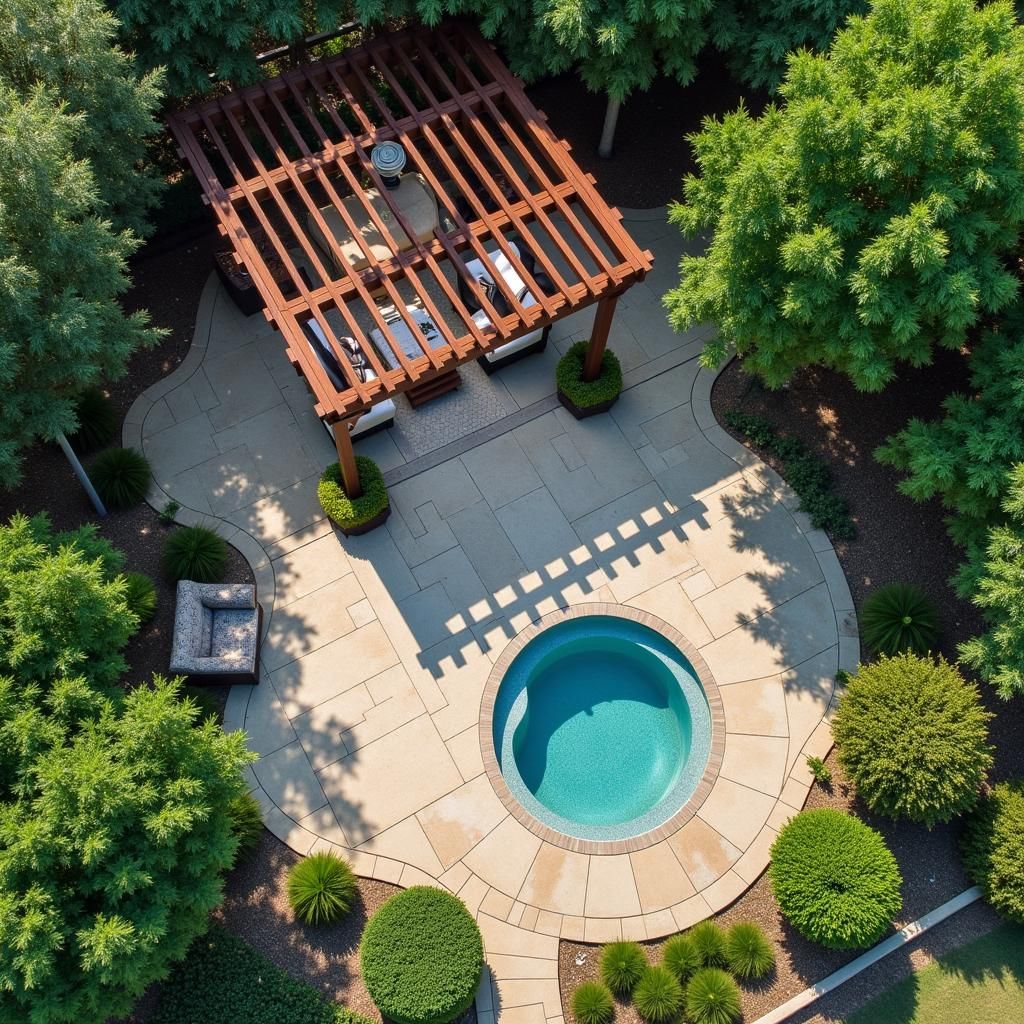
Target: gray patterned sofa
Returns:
[[217, 629]]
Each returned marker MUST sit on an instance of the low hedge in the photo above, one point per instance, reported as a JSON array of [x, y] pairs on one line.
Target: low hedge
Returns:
[[223, 980], [349, 512], [584, 394], [421, 957], [835, 880], [993, 848]]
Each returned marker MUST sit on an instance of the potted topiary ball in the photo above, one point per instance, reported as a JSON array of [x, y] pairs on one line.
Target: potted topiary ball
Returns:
[[587, 398], [354, 516]]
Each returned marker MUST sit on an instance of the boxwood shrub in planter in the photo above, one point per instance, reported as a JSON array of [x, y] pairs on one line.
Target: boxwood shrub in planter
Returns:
[[354, 515], [585, 398], [421, 957]]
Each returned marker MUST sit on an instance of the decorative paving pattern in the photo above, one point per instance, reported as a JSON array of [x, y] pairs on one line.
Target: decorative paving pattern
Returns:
[[378, 648]]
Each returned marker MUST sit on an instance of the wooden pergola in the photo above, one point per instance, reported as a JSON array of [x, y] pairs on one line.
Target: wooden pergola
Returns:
[[286, 166]]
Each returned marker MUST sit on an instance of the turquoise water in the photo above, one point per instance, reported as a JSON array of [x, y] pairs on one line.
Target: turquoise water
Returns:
[[601, 728]]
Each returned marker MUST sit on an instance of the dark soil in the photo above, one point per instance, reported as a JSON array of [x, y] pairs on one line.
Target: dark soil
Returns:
[[651, 151]]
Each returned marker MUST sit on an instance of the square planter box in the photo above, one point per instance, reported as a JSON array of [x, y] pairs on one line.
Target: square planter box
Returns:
[[590, 410], [371, 524]]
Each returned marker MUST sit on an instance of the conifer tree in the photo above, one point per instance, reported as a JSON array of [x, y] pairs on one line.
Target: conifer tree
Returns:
[[866, 218]]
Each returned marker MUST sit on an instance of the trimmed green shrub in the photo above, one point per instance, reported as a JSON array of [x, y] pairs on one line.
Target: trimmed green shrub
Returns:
[[835, 880], [195, 553], [658, 996], [708, 941], [97, 421], [622, 965], [584, 394], [712, 997], [993, 848], [422, 957], [321, 888], [121, 477], [912, 735], [899, 617], [748, 952], [140, 595], [349, 512], [681, 957], [223, 980], [246, 823], [819, 770], [804, 472], [592, 1003]]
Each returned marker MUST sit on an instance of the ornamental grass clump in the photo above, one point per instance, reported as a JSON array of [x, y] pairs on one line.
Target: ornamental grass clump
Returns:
[[680, 956], [97, 421], [712, 997], [321, 888], [748, 953], [622, 966], [421, 957], [912, 735], [246, 823], [708, 941], [835, 880], [140, 595], [592, 1003], [658, 996], [195, 553], [121, 477], [993, 848], [899, 617]]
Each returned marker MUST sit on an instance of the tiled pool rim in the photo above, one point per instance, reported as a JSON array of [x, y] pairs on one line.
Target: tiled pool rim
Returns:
[[490, 759]]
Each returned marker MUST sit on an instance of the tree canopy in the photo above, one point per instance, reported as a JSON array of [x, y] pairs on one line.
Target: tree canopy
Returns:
[[866, 217]]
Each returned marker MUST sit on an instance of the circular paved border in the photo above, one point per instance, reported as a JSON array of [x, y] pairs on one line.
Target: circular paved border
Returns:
[[606, 846]]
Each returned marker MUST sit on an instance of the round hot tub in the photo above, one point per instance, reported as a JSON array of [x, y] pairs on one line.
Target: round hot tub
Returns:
[[601, 729]]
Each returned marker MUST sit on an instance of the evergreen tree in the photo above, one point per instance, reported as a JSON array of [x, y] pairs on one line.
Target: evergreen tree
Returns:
[[757, 37], [68, 46], [867, 217], [114, 833]]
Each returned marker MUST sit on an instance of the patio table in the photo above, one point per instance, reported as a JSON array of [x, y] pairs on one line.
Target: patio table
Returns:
[[435, 386]]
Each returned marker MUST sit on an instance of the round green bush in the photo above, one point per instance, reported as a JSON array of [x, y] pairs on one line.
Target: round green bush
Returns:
[[681, 957], [835, 880], [622, 965], [708, 941], [899, 617], [583, 394], [993, 848], [348, 512], [658, 996], [422, 957], [246, 823], [321, 888], [195, 553], [748, 953], [592, 1003], [120, 476], [140, 593], [912, 735], [97, 421], [712, 997]]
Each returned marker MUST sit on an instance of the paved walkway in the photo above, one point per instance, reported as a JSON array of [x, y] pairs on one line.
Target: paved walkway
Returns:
[[377, 648]]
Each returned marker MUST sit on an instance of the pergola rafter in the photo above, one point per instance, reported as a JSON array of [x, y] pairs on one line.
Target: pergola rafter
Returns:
[[289, 161]]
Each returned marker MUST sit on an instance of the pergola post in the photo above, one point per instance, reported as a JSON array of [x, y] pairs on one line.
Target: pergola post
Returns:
[[346, 459], [599, 337]]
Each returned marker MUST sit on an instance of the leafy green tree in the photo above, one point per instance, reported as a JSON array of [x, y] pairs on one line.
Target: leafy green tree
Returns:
[[867, 217], [114, 833], [63, 609], [61, 270], [69, 46], [757, 37]]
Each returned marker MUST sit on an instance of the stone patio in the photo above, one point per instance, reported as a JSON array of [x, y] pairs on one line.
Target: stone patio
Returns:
[[378, 647]]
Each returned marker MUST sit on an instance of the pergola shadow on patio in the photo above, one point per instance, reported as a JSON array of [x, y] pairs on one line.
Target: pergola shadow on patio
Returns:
[[497, 233]]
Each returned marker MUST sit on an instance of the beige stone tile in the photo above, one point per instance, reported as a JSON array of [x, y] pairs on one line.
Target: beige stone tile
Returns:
[[388, 870], [758, 762], [736, 812], [323, 823], [390, 779], [754, 861], [515, 915], [704, 853], [501, 937], [505, 856], [309, 567], [573, 928], [465, 750], [321, 728], [794, 793], [726, 890], [757, 706], [529, 918], [497, 904], [460, 820], [557, 880], [525, 992], [634, 928], [669, 602], [689, 912], [414, 876], [288, 780], [660, 880], [473, 892], [362, 612], [406, 842], [602, 929], [290, 832], [808, 688], [660, 924], [530, 1014], [504, 966], [548, 923], [456, 877], [611, 891]]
